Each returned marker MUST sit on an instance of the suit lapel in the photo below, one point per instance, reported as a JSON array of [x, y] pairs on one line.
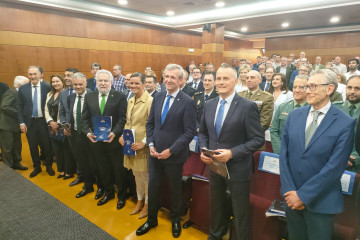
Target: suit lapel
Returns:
[[212, 112], [108, 102], [160, 103], [302, 126], [229, 114], [97, 102]]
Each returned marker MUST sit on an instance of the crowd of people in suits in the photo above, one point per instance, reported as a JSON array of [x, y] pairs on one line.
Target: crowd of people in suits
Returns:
[[230, 110]]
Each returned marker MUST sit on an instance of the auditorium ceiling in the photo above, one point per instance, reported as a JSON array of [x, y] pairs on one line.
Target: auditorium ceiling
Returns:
[[243, 19]]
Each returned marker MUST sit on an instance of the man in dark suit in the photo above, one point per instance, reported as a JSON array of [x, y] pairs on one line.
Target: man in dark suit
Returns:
[[150, 85], [269, 73], [91, 82], [196, 82], [108, 154], [169, 130], [315, 147], [188, 90], [285, 69], [128, 93], [234, 141], [203, 96], [32, 97]]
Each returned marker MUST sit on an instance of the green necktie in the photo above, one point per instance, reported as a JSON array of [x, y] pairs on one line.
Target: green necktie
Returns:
[[78, 116], [352, 110], [102, 104]]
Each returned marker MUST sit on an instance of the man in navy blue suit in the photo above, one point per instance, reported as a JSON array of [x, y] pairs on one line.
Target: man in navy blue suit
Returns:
[[32, 97], [316, 144], [169, 130], [230, 126]]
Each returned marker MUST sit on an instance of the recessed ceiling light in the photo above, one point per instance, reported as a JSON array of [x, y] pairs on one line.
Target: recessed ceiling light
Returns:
[[334, 19], [285, 24], [122, 2], [219, 4], [170, 13], [244, 29]]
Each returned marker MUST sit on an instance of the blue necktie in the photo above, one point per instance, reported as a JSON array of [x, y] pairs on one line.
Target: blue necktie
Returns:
[[166, 109], [219, 117], [35, 103]]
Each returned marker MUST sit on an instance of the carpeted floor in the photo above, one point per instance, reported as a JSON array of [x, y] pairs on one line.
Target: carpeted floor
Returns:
[[28, 212]]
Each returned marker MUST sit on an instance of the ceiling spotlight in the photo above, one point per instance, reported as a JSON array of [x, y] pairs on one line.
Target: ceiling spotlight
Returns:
[[170, 13], [285, 24], [219, 4], [122, 2], [334, 19], [244, 29]]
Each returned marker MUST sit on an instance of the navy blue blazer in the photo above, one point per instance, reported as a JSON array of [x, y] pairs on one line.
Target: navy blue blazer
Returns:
[[91, 83], [315, 172], [26, 103], [241, 132], [70, 105], [200, 87], [178, 129], [64, 110]]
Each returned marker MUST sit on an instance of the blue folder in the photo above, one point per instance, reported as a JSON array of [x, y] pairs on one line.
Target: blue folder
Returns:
[[129, 139], [102, 127]]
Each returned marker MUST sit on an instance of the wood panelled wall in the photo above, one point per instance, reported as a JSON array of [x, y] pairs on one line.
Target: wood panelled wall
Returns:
[[57, 40], [328, 46]]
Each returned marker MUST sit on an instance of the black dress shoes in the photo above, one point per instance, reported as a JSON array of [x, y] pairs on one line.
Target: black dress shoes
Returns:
[[145, 228], [120, 204], [105, 199], [35, 172], [68, 177], [100, 192], [61, 175], [77, 181], [20, 167], [50, 171], [84, 192], [176, 229]]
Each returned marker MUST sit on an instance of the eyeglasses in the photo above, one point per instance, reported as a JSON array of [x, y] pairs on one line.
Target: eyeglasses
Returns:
[[303, 70], [313, 87], [196, 72]]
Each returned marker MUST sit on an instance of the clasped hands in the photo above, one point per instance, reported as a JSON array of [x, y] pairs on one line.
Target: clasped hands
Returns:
[[163, 155], [223, 156], [92, 137], [293, 201]]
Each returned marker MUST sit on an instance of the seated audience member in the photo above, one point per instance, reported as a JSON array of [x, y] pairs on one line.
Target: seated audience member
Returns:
[[32, 122], [187, 89], [261, 70], [241, 83], [318, 64], [269, 73], [250, 63], [283, 110], [150, 85], [353, 68], [19, 81], [119, 79], [285, 69], [339, 66], [268, 64], [91, 82], [264, 100], [351, 106], [279, 90], [209, 67], [277, 62], [258, 62], [191, 67], [303, 70], [235, 142], [328, 65], [138, 111], [196, 82], [52, 107], [311, 165], [147, 69], [10, 135], [108, 154], [210, 92]]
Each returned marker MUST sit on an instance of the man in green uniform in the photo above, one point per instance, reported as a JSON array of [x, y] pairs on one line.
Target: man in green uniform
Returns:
[[283, 110]]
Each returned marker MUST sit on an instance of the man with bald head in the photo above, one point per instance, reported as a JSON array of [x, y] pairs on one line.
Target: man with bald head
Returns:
[[264, 100], [235, 142], [339, 66]]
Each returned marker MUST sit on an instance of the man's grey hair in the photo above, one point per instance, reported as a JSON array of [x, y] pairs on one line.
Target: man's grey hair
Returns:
[[329, 76], [173, 66], [271, 68], [306, 77], [308, 67], [33, 66], [79, 75], [227, 66], [117, 65], [106, 72], [19, 80]]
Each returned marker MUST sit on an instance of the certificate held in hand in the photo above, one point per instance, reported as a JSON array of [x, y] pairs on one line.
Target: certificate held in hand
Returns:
[[102, 127], [129, 139]]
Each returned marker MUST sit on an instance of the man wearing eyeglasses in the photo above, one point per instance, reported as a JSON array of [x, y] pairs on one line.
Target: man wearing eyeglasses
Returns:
[[303, 70], [283, 110], [196, 83], [316, 143]]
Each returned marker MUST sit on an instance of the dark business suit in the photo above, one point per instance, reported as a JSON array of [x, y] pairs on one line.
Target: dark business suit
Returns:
[[109, 156], [91, 84], [83, 152], [154, 92], [175, 134], [37, 131], [241, 132], [200, 86], [289, 71], [199, 99], [314, 172], [188, 90], [263, 84]]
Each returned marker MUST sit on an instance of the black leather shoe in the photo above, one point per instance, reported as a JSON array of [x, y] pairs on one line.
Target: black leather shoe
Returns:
[[20, 167], [35, 172], [176, 229], [77, 181], [61, 175], [120, 204], [84, 192], [105, 199], [68, 177], [145, 228], [50, 171], [100, 192]]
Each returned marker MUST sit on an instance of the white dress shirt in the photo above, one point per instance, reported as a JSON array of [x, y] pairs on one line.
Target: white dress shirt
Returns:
[[226, 107], [174, 94], [348, 74], [324, 110], [75, 106], [342, 89], [38, 87]]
